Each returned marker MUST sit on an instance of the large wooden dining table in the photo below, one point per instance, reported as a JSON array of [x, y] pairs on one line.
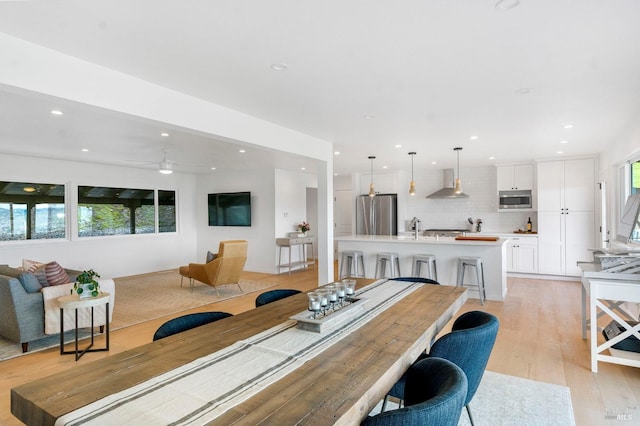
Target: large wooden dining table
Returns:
[[338, 386]]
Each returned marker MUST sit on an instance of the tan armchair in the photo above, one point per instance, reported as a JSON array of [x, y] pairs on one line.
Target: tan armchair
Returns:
[[225, 268]]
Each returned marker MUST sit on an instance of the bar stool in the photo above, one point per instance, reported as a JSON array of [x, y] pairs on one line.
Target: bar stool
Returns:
[[474, 262], [355, 264], [393, 259], [430, 261]]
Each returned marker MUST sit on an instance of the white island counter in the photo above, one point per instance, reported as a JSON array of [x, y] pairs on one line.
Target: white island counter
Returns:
[[446, 249]]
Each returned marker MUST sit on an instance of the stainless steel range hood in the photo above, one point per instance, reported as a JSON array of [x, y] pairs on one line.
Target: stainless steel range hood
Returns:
[[449, 190], [451, 186]]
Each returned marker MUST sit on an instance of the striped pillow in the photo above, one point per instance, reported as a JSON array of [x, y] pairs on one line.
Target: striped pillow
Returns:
[[31, 265], [55, 274]]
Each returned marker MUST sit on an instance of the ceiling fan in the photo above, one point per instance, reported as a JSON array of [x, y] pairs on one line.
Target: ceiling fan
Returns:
[[165, 166]]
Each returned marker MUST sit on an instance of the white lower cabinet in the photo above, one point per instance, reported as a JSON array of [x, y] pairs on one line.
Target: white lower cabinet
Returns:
[[522, 254], [565, 239]]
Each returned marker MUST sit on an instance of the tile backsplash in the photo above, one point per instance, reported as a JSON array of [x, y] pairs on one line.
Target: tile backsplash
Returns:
[[481, 186]]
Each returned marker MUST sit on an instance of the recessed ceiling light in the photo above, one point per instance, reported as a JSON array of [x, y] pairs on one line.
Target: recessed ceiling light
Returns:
[[56, 112], [279, 67], [523, 91], [336, 174], [492, 158], [385, 167], [29, 189], [398, 145], [369, 117], [242, 151], [507, 4], [434, 162], [564, 141], [568, 126], [473, 138], [164, 134], [560, 152], [84, 150], [303, 168], [213, 168], [336, 153]]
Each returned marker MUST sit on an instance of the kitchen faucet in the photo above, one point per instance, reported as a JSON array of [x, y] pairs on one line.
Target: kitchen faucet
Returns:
[[415, 226]]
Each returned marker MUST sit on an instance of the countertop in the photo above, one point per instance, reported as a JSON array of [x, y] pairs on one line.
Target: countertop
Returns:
[[409, 239]]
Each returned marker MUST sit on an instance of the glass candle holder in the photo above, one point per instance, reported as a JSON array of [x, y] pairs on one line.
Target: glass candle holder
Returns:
[[341, 292], [314, 303], [350, 288], [324, 300]]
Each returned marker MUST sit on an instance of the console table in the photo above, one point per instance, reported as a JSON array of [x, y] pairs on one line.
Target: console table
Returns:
[[289, 243], [602, 294]]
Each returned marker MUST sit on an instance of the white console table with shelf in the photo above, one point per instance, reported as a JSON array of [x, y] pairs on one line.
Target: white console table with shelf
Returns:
[[602, 295], [291, 242]]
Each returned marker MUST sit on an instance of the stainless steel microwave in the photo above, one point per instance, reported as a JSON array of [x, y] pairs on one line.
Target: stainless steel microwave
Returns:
[[508, 200]]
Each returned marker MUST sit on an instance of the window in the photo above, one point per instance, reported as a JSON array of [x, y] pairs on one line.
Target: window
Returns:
[[30, 211], [115, 211], [166, 211], [635, 177]]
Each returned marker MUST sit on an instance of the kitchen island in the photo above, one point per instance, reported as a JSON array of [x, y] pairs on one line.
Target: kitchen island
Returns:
[[446, 249]]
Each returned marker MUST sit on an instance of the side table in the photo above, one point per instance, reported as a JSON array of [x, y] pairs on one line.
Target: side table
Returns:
[[75, 302]]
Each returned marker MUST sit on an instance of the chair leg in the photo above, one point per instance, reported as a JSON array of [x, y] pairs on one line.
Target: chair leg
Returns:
[[470, 416], [181, 280], [384, 403]]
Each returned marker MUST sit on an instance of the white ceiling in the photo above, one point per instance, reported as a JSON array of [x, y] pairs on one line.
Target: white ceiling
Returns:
[[430, 73]]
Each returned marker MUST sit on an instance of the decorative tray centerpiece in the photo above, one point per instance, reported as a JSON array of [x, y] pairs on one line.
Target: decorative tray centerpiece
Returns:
[[332, 319], [330, 306]]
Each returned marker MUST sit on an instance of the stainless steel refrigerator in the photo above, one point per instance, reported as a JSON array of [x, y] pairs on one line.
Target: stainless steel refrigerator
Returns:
[[377, 215]]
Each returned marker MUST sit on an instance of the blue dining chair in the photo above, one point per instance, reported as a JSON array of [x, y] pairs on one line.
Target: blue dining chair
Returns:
[[187, 322], [435, 391], [468, 345], [273, 295], [416, 280]]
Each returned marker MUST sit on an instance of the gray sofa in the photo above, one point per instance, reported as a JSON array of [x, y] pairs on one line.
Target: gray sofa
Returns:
[[22, 306]]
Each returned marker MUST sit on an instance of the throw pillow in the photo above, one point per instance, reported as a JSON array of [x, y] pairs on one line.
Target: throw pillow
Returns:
[[30, 265], [41, 276], [29, 282], [56, 274], [211, 256]]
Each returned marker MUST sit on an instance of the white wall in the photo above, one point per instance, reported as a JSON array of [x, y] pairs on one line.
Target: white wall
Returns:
[[260, 234], [291, 206], [112, 256]]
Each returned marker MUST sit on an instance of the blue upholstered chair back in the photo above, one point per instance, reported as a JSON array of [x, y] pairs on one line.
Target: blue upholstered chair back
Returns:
[[469, 346], [273, 295], [434, 396], [187, 322], [416, 280]]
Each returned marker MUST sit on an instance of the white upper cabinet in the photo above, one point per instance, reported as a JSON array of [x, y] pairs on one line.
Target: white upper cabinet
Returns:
[[515, 177], [566, 185]]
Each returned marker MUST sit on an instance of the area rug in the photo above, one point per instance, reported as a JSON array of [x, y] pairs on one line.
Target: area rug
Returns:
[[147, 297], [503, 400]]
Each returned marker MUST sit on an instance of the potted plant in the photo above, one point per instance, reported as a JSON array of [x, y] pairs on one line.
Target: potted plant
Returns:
[[86, 284], [304, 227]]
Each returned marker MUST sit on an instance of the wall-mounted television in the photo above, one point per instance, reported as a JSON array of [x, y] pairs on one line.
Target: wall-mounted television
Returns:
[[230, 209]]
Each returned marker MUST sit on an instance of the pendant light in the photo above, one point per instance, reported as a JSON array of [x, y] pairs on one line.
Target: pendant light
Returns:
[[412, 185], [457, 189], [372, 192]]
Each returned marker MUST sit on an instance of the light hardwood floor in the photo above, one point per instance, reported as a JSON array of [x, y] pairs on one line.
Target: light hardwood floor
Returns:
[[539, 339]]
